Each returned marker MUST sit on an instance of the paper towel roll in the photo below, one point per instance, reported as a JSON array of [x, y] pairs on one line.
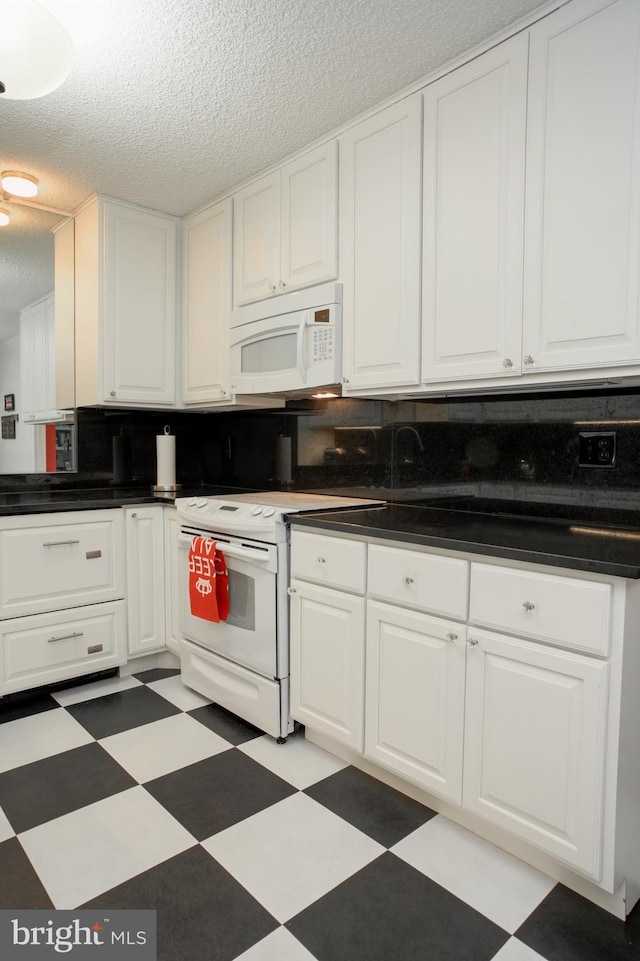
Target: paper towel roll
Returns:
[[166, 459]]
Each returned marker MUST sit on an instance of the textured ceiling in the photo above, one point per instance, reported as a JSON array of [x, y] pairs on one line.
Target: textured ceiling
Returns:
[[172, 102]]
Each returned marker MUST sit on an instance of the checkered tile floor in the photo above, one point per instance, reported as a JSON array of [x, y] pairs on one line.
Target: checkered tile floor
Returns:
[[138, 793]]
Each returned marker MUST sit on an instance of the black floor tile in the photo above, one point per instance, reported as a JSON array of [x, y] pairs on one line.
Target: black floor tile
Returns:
[[47, 789], [121, 711], [383, 813], [567, 927], [24, 704], [20, 886], [213, 794], [156, 674], [203, 914], [232, 728], [388, 911]]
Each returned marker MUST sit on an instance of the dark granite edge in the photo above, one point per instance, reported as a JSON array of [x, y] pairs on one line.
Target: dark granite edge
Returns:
[[593, 565]]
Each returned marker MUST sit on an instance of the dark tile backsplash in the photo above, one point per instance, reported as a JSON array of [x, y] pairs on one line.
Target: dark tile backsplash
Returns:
[[517, 446]]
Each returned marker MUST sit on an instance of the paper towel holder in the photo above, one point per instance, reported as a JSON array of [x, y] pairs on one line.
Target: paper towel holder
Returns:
[[166, 490]]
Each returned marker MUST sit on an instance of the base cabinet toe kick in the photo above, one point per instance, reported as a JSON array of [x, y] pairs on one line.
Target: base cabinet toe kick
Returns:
[[503, 694]]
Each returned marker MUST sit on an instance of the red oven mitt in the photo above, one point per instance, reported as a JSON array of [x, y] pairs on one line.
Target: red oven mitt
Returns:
[[202, 579], [222, 585]]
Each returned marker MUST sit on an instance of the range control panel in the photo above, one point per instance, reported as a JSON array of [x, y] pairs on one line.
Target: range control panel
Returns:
[[597, 449]]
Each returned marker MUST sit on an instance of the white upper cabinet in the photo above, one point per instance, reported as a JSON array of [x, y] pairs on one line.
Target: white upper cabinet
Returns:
[[474, 136], [206, 305], [125, 293], [380, 161], [582, 246], [37, 362], [285, 228]]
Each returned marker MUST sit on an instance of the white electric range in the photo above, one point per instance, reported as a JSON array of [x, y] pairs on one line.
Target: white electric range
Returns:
[[242, 663]]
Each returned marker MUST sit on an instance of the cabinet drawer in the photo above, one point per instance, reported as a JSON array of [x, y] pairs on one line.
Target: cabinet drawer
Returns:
[[567, 611], [333, 561], [426, 582], [51, 562], [45, 648]]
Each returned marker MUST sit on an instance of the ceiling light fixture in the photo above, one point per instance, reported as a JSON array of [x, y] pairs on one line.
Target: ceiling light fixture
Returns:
[[4, 217], [19, 184], [36, 53]]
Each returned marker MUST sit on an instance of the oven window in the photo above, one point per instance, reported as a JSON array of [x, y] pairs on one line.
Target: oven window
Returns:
[[242, 601], [269, 355]]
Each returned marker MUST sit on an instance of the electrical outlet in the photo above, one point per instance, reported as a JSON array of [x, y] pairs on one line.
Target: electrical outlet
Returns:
[[597, 449]]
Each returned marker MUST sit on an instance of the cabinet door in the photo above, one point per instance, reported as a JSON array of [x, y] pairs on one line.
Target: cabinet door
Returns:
[[535, 731], [207, 305], [28, 366], [380, 177], [415, 697], [327, 662], [256, 240], [171, 581], [309, 219], [144, 532], [64, 336], [474, 146], [139, 323], [582, 240]]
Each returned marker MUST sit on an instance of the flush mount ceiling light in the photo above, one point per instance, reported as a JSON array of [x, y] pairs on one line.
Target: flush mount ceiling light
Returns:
[[4, 217], [19, 184], [36, 53]]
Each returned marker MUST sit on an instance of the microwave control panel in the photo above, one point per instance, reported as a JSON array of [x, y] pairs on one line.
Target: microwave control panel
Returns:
[[322, 344]]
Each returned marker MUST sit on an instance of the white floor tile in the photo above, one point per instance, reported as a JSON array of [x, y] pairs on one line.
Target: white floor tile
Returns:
[[280, 945], [298, 761], [6, 831], [38, 736], [89, 851], [163, 746], [498, 885], [88, 692], [292, 853], [175, 691], [515, 950]]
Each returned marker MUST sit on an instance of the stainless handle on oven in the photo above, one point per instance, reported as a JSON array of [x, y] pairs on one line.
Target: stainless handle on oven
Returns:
[[230, 550]]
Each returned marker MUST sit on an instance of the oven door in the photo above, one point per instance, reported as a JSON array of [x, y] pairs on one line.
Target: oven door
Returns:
[[248, 636]]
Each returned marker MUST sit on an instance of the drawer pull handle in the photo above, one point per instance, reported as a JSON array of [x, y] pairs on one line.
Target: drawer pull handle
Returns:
[[472, 642], [527, 607], [408, 581], [64, 637], [58, 543], [322, 560], [451, 636]]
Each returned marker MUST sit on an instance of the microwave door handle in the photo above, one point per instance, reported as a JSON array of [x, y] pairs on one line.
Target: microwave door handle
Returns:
[[300, 358]]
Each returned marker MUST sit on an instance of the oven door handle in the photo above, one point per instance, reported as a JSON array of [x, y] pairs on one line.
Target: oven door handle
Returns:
[[230, 550]]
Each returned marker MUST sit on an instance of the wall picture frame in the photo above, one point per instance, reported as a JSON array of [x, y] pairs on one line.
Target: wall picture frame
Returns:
[[9, 402]]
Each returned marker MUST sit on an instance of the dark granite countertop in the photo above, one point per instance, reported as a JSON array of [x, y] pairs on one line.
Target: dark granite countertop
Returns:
[[46, 501], [608, 547]]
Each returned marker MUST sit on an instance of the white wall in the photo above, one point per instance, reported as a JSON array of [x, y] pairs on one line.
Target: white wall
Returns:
[[16, 456]]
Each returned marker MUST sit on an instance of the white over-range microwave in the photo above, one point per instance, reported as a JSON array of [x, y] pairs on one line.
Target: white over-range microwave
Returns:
[[290, 343]]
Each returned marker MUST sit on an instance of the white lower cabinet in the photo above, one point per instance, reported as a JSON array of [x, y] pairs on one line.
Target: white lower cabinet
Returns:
[[171, 581], [144, 528], [327, 661], [535, 735], [535, 739], [415, 697]]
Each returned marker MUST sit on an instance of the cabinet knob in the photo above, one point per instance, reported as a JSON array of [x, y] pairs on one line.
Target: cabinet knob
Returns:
[[408, 581], [135, 514], [345, 380], [451, 636], [321, 560], [527, 607], [291, 590], [507, 362], [527, 360], [272, 287], [472, 642], [112, 393], [282, 284]]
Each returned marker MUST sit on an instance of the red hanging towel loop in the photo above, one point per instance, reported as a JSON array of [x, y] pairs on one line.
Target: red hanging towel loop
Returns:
[[202, 579]]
